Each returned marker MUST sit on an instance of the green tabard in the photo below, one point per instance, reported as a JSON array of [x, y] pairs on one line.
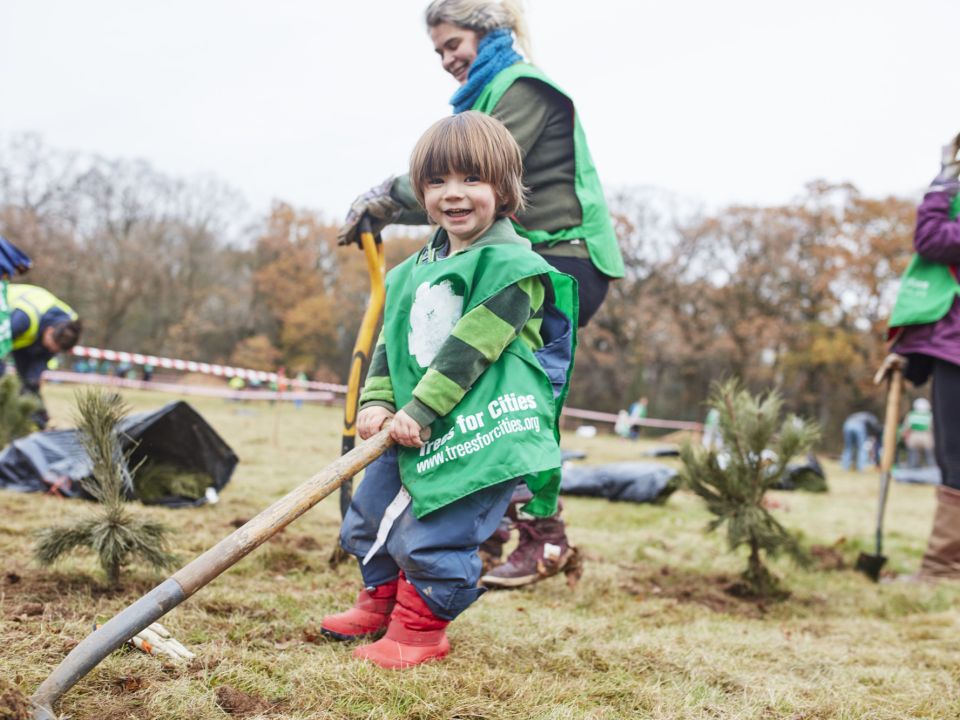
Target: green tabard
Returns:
[[596, 228], [6, 332], [506, 425], [927, 289]]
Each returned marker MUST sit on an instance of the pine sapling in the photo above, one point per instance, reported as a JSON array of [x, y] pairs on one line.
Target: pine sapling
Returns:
[[755, 450], [16, 410], [111, 531]]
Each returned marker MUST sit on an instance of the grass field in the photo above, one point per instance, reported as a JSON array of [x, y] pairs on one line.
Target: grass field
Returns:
[[648, 633]]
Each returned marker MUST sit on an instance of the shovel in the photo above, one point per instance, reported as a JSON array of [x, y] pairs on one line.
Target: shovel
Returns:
[[376, 267], [892, 369], [190, 578]]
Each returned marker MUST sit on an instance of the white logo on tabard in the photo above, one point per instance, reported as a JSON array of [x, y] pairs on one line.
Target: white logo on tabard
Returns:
[[435, 311]]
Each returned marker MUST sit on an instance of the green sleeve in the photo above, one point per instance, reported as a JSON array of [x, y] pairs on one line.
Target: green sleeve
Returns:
[[476, 342], [378, 389], [402, 192]]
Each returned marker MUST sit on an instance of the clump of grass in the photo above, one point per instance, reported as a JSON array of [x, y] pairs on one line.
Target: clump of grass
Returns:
[[16, 410], [111, 531], [756, 449], [155, 481]]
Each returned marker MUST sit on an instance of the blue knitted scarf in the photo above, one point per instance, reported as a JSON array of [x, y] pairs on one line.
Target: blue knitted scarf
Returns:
[[494, 53]]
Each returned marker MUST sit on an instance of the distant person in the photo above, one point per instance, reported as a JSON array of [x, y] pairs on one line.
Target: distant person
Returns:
[[622, 425], [711, 430], [917, 432], [636, 413], [858, 430], [42, 326], [565, 220], [925, 324], [13, 262], [146, 373]]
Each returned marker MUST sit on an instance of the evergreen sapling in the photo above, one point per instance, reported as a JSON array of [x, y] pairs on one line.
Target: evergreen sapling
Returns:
[[111, 531], [756, 447]]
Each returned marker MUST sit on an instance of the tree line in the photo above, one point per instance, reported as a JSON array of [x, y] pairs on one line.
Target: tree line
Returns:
[[793, 296]]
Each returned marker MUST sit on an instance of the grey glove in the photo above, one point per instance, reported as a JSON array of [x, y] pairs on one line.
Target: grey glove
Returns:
[[377, 205], [949, 178]]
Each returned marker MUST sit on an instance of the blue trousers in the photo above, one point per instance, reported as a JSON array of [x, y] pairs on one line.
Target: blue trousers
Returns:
[[854, 445], [437, 553]]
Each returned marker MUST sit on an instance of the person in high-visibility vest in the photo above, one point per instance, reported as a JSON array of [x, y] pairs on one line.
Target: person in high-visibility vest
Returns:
[[42, 326], [12, 262]]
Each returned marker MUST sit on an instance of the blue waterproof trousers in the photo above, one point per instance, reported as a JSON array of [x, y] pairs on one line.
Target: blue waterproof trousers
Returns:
[[437, 553]]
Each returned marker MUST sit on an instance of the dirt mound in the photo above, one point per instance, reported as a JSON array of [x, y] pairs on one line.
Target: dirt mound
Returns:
[[13, 703], [238, 703]]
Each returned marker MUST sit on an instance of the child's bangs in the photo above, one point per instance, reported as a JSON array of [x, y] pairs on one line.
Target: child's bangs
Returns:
[[459, 148]]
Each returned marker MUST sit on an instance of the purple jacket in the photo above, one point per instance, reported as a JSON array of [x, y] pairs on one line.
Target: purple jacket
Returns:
[[937, 238]]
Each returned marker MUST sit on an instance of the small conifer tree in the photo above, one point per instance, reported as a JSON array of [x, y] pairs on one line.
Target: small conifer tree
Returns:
[[755, 451], [111, 531], [16, 410]]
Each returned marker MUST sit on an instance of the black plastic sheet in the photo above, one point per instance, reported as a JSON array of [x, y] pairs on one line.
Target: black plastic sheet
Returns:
[[176, 434]]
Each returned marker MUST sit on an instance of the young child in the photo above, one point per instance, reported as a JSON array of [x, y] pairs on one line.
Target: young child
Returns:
[[472, 367]]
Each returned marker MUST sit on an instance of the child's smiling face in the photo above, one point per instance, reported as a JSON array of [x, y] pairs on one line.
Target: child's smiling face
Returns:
[[463, 205]]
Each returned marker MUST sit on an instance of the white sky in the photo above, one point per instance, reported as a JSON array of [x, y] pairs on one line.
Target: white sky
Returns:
[[312, 102]]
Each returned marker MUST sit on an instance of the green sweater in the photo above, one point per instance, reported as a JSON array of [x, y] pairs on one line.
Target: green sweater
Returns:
[[476, 341]]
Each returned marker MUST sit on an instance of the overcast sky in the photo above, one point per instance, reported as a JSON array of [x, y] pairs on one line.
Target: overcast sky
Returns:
[[312, 102]]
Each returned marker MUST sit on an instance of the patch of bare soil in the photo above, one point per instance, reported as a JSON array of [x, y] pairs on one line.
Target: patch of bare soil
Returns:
[[238, 703], [13, 703], [43, 588], [829, 557], [720, 593]]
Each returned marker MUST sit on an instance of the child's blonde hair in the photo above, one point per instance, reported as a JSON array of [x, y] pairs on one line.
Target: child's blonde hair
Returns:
[[481, 16], [473, 144]]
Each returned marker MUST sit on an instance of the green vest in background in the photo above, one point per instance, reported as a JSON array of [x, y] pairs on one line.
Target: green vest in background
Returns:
[[596, 228], [33, 301], [507, 425], [6, 332], [919, 420], [927, 289]]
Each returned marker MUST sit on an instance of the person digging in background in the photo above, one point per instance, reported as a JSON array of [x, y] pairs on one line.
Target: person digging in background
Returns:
[[917, 432], [858, 428], [925, 326], [473, 322], [565, 219], [42, 326]]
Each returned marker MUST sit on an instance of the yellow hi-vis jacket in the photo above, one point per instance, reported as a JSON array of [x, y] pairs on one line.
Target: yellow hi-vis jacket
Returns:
[[34, 302]]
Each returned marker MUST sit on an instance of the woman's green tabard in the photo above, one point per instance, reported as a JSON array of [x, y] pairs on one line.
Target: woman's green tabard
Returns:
[[595, 228], [927, 289]]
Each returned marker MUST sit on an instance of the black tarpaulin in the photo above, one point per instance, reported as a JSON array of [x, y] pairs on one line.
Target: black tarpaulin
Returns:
[[175, 435]]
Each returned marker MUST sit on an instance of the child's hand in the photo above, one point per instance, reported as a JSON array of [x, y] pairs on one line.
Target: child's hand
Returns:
[[405, 430], [370, 420]]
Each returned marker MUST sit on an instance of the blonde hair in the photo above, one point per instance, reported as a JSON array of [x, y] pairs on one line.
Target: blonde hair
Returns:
[[473, 144], [482, 16]]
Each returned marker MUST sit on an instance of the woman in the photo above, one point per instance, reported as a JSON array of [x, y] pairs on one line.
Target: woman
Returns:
[[926, 323], [566, 217]]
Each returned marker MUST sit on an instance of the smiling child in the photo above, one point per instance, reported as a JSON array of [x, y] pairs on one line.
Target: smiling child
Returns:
[[475, 354]]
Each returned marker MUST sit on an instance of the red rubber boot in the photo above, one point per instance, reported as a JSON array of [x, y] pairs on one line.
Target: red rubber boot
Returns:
[[368, 616], [415, 635]]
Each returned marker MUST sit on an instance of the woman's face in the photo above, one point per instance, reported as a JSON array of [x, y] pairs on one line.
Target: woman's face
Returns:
[[457, 48]]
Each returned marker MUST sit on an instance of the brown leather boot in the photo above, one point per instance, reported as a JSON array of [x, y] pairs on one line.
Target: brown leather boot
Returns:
[[941, 561], [543, 551]]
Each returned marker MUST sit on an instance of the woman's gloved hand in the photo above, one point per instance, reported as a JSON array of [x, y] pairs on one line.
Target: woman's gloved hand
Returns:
[[379, 207], [949, 178], [12, 259]]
